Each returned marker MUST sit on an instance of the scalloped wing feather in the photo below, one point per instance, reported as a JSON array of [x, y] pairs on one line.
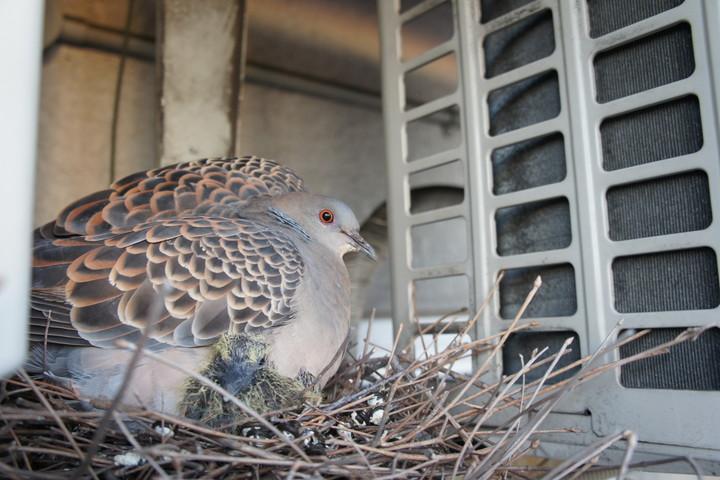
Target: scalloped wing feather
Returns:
[[204, 186], [206, 283], [171, 235]]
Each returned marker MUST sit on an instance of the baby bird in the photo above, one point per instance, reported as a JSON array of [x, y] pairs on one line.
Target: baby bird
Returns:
[[228, 265]]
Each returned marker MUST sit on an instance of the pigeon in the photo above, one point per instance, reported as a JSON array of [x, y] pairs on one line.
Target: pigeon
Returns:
[[226, 267]]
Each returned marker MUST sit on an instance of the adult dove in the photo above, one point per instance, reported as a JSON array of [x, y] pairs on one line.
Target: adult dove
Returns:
[[230, 266]]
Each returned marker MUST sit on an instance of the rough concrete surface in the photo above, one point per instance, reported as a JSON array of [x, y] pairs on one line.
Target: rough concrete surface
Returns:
[[75, 121], [199, 78]]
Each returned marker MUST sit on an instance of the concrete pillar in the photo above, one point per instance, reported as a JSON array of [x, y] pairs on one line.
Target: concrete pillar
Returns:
[[200, 65]]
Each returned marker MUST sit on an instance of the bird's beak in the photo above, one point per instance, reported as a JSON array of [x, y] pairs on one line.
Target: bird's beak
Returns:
[[361, 244]]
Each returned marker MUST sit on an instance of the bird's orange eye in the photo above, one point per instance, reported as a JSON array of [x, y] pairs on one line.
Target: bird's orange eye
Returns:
[[326, 216]]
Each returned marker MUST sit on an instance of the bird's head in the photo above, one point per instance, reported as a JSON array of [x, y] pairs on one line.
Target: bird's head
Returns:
[[324, 219]]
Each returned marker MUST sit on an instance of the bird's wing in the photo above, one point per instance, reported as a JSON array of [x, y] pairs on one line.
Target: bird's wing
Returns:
[[203, 187], [190, 278]]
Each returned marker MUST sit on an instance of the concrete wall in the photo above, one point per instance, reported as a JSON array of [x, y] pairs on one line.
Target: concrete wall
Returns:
[[337, 148], [76, 105]]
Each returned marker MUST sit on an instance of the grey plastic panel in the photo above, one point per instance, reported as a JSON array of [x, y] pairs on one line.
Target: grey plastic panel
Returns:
[[591, 191], [404, 161]]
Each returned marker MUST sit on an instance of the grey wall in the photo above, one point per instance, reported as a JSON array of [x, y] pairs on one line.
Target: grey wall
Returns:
[[337, 148], [76, 106]]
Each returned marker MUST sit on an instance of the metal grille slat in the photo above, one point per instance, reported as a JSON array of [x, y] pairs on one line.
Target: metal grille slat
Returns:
[[525, 71], [545, 257], [674, 241], [438, 214], [646, 98], [643, 27], [431, 107], [438, 272], [525, 133], [514, 16], [436, 160], [430, 55], [532, 194], [693, 161], [418, 10]]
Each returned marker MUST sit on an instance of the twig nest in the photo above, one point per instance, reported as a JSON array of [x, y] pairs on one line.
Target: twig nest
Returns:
[[377, 416], [375, 400], [358, 418], [256, 431], [313, 442], [128, 459], [364, 383], [163, 431], [371, 416], [308, 434]]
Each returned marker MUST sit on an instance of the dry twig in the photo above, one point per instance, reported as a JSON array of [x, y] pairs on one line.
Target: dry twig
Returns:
[[390, 417]]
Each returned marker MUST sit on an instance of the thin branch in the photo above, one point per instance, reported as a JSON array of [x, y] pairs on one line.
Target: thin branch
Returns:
[[55, 416], [130, 438]]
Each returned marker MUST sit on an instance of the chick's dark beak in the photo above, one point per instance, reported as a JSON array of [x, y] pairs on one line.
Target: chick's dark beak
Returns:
[[361, 244]]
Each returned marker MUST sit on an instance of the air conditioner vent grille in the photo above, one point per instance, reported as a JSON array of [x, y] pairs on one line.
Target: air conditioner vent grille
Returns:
[[609, 15], [658, 59], [662, 206], [588, 134], [531, 163], [666, 281], [533, 227], [524, 103], [557, 298], [655, 133], [520, 346], [492, 9], [523, 42], [688, 366]]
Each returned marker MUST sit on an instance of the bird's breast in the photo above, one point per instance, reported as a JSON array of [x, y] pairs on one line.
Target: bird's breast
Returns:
[[312, 340]]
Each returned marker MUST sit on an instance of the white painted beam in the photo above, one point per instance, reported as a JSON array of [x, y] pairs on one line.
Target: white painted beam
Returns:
[[21, 36]]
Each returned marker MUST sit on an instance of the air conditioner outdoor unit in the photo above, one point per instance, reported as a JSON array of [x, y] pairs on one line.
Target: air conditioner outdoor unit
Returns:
[[586, 140]]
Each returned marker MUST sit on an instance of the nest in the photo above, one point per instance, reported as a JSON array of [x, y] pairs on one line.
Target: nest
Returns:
[[394, 416]]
